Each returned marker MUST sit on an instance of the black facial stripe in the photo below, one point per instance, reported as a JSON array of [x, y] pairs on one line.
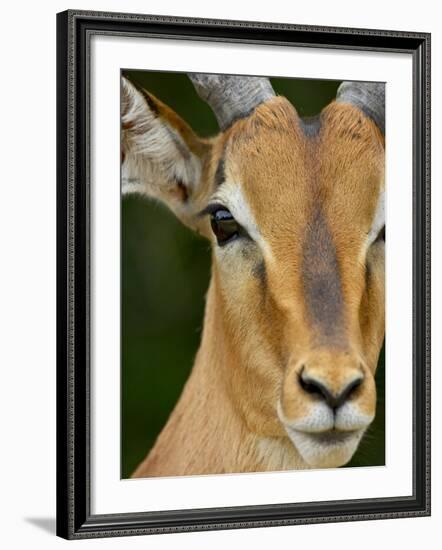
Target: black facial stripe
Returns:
[[220, 175], [322, 282], [367, 274], [259, 271]]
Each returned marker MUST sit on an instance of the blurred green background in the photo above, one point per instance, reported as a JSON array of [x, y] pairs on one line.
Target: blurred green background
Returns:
[[162, 320]]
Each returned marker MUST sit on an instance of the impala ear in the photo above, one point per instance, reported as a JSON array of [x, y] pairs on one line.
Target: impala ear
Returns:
[[161, 155]]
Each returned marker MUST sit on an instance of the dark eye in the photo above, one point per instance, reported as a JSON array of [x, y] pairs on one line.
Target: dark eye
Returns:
[[224, 226]]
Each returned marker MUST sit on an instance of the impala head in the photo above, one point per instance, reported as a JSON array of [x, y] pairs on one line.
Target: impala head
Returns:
[[294, 210]]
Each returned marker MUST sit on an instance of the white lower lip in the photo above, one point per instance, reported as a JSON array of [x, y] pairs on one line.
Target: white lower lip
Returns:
[[324, 440], [327, 439], [332, 448]]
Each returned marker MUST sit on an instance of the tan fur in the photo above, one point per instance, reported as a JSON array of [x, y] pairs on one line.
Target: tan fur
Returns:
[[259, 336]]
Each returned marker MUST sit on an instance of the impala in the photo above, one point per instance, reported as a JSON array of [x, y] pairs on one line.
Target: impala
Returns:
[[294, 318]]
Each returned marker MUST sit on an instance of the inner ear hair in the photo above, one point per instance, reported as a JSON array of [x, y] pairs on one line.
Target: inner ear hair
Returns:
[[162, 153]]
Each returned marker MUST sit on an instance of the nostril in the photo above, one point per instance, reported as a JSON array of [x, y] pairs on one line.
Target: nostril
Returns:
[[348, 391], [310, 386], [314, 386]]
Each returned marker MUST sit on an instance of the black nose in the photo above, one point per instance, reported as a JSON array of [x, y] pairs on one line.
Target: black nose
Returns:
[[313, 385]]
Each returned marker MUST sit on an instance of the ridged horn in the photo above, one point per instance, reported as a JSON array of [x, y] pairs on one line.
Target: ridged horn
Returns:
[[231, 97], [367, 96]]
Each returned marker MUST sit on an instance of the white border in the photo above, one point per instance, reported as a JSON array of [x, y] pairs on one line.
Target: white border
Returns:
[[109, 493]]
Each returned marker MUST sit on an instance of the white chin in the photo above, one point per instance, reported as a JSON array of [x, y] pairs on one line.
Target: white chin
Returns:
[[321, 451]]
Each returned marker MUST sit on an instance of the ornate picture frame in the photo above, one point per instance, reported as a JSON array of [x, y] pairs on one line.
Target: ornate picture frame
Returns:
[[75, 218]]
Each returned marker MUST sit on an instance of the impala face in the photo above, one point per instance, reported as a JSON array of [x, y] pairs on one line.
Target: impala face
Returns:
[[295, 214]]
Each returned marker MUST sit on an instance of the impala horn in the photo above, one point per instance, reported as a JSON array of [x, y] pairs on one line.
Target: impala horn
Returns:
[[231, 97], [367, 96]]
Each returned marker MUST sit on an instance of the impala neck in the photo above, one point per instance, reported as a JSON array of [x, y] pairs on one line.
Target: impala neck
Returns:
[[206, 432]]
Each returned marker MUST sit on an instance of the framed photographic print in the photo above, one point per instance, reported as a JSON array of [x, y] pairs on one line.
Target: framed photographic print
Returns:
[[243, 274]]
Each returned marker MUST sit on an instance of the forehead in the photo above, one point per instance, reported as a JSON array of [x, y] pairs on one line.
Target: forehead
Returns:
[[287, 173]]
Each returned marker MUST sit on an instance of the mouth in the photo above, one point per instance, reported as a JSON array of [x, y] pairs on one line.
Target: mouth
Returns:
[[328, 449], [332, 437], [324, 439]]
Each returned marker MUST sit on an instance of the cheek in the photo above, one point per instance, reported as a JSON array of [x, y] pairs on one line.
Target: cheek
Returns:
[[249, 301], [238, 272], [372, 311], [366, 400], [254, 333]]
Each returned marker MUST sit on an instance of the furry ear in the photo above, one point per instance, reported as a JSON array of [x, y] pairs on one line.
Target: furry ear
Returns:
[[161, 155]]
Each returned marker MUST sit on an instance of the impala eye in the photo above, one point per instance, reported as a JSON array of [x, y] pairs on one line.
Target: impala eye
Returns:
[[224, 226]]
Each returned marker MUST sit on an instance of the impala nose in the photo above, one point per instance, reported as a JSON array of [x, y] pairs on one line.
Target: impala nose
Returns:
[[333, 387]]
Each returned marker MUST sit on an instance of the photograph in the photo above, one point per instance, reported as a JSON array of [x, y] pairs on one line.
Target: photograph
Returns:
[[252, 274]]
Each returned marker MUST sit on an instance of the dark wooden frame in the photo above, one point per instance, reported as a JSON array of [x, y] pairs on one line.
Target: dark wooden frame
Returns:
[[74, 519]]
